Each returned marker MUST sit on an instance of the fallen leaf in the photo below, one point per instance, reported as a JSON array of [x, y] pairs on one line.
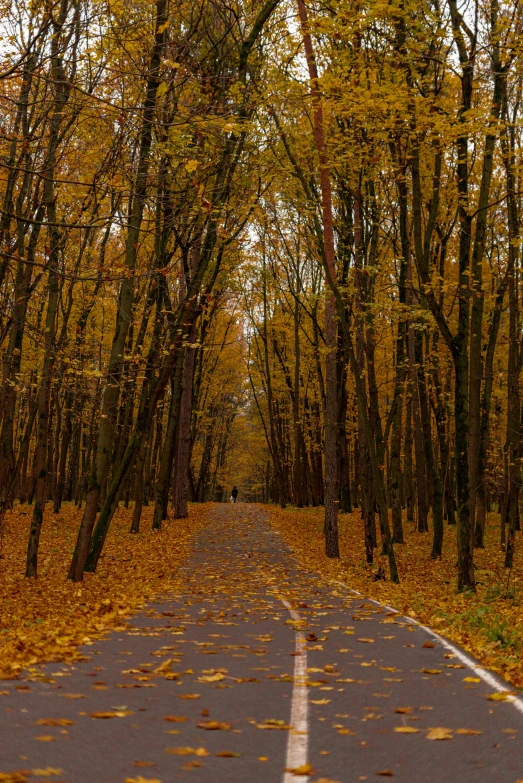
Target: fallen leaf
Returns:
[[367, 641], [428, 645], [468, 731], [503, 696], [139, 779], [12, 777], [272, 723], [111, 714], [164, 667], [405, 730], [386, 773], [439, 733], [55, 722], [320, 701], [174, 718], [187, 751], [471, 679], [431, 671], [47, 772], [228, 754], [188, 695], [212, 677], [214, 725], [303, 769]]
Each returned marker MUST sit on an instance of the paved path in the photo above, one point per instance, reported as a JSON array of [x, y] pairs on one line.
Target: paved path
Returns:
[[261, 668]]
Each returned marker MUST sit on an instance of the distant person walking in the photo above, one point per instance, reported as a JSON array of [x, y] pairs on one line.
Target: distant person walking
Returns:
[[234, 493]]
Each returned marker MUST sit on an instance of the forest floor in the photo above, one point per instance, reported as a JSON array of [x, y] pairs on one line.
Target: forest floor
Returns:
[[48, 618], [253, 668], [489, 624]]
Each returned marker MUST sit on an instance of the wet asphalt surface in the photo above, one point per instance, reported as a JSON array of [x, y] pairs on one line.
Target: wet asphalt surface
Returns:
[[199, 686]]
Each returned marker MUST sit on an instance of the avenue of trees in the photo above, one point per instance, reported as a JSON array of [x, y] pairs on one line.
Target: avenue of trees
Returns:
[[275, 232]]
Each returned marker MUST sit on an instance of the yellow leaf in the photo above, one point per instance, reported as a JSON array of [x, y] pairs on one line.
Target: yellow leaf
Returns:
[[405, 730], [214, 725], [439, 733], [111, 714], [273, 723], [191, 165], [139, 779], [503, 696], [303, 769], [164, 667], [471, 679], [47, 772], [55, 722], [212, 677], [468, 731]]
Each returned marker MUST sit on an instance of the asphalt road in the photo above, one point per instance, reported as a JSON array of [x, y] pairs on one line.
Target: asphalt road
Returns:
[[259, 672]]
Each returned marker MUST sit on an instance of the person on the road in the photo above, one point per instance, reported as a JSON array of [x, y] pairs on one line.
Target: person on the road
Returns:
[[234, 493]]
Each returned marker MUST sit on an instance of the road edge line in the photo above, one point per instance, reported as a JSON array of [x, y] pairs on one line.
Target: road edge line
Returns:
[[488, 677]]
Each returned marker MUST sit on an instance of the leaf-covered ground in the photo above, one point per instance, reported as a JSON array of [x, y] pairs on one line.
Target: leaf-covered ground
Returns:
[[46, 619], [253, 670], [488, 624]]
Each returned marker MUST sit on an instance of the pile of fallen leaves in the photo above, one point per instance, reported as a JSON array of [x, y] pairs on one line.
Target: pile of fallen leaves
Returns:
[[46, 619], [489, 623]]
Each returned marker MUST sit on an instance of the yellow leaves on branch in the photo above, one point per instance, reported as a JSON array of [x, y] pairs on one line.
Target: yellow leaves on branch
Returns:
[[48, 618]]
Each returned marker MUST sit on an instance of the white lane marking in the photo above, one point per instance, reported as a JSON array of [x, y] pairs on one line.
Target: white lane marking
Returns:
[[487, 677], [298, 738]]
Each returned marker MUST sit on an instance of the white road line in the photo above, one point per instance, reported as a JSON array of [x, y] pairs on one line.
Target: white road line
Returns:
[[298, 738], [488, 677]]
